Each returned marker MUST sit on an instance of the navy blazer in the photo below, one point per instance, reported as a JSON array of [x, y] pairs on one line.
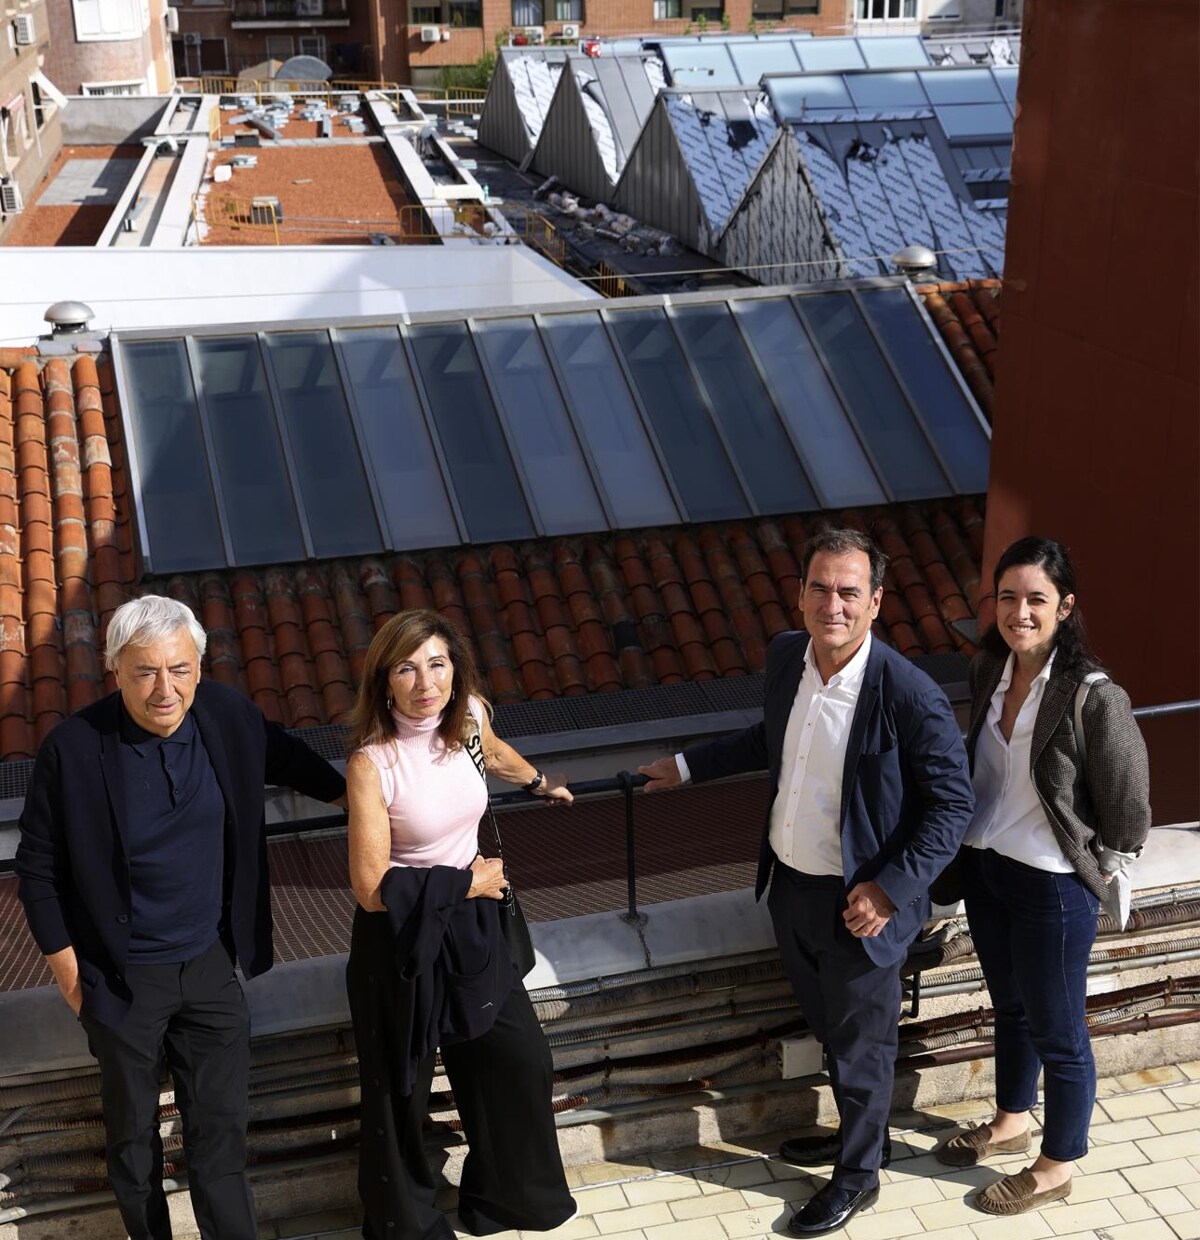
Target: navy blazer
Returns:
[[72, 859], [906, 791]]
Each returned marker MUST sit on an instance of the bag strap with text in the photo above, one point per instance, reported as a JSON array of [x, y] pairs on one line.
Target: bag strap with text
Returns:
[[474, 747]]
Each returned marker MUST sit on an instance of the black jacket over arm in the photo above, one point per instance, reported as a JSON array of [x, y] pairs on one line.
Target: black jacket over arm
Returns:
[[452, 969], [72, 860]]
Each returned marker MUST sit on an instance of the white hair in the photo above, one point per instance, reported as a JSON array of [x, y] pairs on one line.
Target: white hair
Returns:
[[149, 619]]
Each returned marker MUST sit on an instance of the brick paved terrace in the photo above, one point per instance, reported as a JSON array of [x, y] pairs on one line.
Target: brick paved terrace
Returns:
[[1140, 1181]]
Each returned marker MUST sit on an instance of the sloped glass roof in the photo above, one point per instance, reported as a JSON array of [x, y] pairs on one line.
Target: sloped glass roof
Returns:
[[264, 446], [742, 62], [970, 104]]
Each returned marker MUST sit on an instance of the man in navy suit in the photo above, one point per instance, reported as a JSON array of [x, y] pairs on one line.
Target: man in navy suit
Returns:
[[143, 872], [870, 797]]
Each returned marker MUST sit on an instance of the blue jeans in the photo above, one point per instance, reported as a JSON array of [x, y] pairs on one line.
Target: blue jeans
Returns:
[[1033, 932]]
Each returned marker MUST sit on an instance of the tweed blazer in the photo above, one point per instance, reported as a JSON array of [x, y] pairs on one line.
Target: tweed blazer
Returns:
[[1110, 801]]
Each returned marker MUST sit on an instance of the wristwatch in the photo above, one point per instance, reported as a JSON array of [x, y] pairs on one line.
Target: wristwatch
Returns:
[[536, 782]]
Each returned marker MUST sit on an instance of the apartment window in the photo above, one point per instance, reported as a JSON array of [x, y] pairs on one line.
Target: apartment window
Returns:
[[12, 119], [114, 88], [280, 46], [39, 105], [99, 20], [710, 12], [667, 10], [886, 10], [528, 13], [457, 13], [777, 10], [568, 10], [213, 56], [464, 13], [312, 45]]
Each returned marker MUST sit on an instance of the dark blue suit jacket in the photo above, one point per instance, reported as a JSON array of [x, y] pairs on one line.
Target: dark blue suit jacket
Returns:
[[72, 859], [906, 791]]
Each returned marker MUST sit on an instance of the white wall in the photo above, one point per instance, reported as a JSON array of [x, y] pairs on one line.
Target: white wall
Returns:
[[248, 284]]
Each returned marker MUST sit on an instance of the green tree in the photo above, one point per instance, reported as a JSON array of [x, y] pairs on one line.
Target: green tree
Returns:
[[726, 21], [468, 77]]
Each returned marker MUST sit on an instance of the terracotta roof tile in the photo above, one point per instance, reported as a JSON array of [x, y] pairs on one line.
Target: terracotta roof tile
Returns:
[[968, 316], [549, 617], [377, 589]]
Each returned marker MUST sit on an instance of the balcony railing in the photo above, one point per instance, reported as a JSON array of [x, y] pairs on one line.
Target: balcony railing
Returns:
[[289, 10]]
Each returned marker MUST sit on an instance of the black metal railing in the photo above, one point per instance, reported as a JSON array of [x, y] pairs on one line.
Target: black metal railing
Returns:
[[624, 783]]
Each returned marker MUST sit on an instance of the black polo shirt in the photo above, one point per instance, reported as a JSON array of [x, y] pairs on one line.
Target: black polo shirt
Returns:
[[176, 833]]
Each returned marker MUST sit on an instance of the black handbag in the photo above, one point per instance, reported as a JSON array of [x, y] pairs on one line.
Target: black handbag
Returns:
[[513, 926], [949, 887]]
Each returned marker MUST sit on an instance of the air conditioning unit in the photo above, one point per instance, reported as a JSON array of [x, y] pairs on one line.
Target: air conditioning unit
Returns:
[[192, 38], [171, 17], [10, 198], [570, 30], [430, 34], [24, 28]]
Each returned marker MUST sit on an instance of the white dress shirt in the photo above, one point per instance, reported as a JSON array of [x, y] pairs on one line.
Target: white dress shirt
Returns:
[[806, 827], [806, 817], [1009, 817]]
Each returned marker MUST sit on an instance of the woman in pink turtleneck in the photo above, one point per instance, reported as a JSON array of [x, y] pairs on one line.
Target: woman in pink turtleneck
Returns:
[[416, 798]]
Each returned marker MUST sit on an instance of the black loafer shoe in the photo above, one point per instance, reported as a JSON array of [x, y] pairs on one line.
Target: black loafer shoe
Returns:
[[831, 1209], [823, 1151]]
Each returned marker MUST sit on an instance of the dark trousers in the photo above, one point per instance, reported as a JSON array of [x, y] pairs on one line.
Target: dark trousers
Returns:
[[195, 1015], [513, 1174], [852, 1006], [1033, 932]]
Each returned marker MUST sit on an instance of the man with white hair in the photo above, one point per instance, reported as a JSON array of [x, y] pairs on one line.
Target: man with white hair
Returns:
[[143, 872]]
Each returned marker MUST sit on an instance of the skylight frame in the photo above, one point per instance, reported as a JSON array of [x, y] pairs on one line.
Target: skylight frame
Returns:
[[405, 347], [601, 313], [656, 450]]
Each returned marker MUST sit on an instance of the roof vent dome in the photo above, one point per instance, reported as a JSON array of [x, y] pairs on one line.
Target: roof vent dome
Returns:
[[69, 318], [917, 262]]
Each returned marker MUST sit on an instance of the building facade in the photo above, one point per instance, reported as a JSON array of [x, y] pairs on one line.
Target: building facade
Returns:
[[30, 126], [412, 41], [110, 47]]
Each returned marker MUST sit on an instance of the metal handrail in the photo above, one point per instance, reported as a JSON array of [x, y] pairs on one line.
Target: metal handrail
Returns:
[[1167, 708], [625, 783]]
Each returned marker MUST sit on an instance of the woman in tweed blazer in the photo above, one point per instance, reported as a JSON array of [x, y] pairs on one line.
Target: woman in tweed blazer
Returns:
[[1031, 869]]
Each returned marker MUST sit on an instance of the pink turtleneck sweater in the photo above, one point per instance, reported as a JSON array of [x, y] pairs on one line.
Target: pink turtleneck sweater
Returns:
[[434, 796]]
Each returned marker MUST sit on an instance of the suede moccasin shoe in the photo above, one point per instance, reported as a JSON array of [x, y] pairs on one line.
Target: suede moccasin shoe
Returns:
[[1015, 1194], [973, 1146]]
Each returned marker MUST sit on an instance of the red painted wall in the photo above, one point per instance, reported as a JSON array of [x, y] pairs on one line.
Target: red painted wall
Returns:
[[1097, 432]]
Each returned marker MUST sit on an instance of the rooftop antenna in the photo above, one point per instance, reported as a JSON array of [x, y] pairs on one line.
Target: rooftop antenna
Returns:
[[917, 262]]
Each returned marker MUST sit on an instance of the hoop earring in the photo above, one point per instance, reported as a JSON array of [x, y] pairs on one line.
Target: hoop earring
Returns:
[[388, 701]]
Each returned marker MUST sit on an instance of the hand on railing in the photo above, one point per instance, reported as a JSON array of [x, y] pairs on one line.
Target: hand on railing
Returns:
[[555, 790], [661, 773]]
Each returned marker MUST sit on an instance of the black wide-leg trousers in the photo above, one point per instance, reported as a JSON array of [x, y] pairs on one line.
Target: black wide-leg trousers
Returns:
[[852, 1006], [195, 1015], [513, 1175]]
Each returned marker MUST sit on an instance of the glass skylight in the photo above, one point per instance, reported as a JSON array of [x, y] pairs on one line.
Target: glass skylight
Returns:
[[293, 444]]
